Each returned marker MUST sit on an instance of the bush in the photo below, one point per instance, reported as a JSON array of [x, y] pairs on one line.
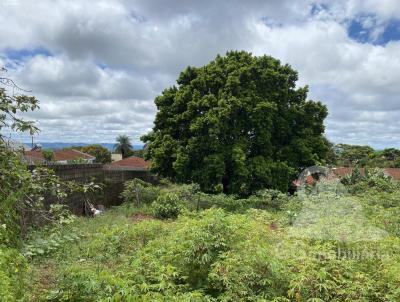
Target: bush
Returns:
[[375, 179], [206, 201], [140, 192], [13, 267], [185, 192], [272, 200], [52, 237], [183, 260], [167, 206]]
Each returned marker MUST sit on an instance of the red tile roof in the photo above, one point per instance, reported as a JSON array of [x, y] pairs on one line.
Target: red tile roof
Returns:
[[59, 155], [133, 163]]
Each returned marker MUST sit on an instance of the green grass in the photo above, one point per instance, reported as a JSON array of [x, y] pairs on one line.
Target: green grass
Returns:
[[102, 245]]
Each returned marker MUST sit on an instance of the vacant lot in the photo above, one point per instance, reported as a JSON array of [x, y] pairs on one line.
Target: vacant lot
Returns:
[[325, 246]]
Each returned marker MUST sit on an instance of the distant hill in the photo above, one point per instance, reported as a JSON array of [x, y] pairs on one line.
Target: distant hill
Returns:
[[57, 145]]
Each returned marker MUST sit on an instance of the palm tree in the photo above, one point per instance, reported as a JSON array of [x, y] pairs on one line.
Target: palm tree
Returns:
[[123, 145]]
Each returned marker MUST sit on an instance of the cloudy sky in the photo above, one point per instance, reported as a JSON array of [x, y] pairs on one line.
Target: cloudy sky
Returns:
[[96, 66]]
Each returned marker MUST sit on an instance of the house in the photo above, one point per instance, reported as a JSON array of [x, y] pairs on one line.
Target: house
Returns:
[[116, 156], [60, 157], [133, 163]]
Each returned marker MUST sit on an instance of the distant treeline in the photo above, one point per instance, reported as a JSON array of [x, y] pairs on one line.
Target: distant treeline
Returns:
[[102, 154], [57, 146], [363, 156]]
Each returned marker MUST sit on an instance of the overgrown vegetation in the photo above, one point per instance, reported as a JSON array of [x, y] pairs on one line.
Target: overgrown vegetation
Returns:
[[23, 210], [326, 243], [23, 207]]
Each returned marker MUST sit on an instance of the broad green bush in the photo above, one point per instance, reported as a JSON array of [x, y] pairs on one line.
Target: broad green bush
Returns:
[[52, 237], [226, 202], [13, 270], [139, 192], [183, 260], [166, 206], [375, 179], [272, 200], [14, 184]]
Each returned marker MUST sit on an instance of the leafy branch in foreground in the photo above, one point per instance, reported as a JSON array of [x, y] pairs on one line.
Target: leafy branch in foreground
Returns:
[[11, 106]]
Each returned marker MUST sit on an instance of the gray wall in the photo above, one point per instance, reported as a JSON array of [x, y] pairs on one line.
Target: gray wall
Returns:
[[113, 181]]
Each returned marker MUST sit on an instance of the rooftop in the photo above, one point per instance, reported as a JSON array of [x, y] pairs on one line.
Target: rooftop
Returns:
[[59, 155], [130, 163]]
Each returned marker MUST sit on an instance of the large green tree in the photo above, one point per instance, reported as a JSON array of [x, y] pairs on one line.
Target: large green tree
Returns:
[[354, 155], [236, 125], [102, 154]]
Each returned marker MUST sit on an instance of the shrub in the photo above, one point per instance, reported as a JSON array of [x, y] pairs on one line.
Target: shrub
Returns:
[[269, 200], [52, 237], [139, 191], [167, 206], [185, 192], [13, 267], [183, 260], [272, 200], [206, 201], [375, 179]]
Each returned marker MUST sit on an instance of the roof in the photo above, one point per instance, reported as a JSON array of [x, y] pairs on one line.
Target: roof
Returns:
[[59, 155], [130, 163]]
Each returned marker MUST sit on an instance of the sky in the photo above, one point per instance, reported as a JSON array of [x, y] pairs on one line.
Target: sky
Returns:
[[96, 66]]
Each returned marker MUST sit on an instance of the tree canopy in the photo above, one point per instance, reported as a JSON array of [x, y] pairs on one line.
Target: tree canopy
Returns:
[[101, 153], [364, 156], [353, 155], [48, 154], [236, 125]]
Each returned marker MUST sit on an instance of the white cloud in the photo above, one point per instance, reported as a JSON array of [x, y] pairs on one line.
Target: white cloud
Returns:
[[59, 76], [111, 58]]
